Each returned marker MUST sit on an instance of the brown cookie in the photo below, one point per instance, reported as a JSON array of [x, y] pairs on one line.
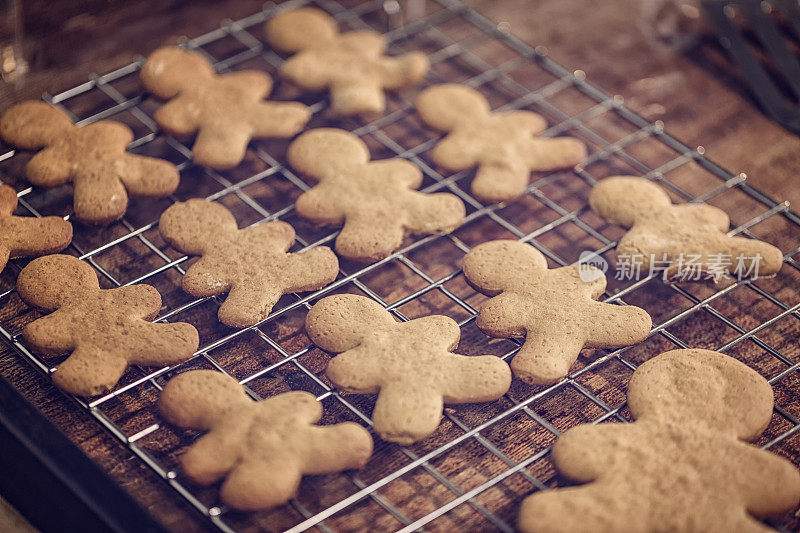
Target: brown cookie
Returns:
[[251, 265], [689, 240], [104, 331], [409, 365], [503, 145], [92, 157], [352, 65], [554, 309], [226, 111], [262, 449], [682, 466], [28, 236], [375, 202]]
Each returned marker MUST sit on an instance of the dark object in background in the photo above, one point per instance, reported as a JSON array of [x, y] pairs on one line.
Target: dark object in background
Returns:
[[763, 39]]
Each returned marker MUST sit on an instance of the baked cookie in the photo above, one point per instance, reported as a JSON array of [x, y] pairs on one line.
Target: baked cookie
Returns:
[[554, 309], [28, 236], [262, 449], [504, 146], [251, 265], [409, 365], [226, 111], [92, 158], [375, 202], [689, 240], [352, 65], [103, 330], [682, 466]]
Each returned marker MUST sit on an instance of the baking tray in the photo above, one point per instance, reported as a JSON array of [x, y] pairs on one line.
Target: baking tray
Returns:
[[485, 458]]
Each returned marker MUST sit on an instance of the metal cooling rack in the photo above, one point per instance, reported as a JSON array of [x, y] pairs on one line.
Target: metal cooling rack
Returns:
[[474, 472]]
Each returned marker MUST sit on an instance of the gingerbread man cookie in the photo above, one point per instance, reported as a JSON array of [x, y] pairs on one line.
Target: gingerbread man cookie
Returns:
[[375, 202], [688, 239], [226, 111], [262, 449], [251, 265], [504, 146], [28, 236], [409, 365], [351, 65], [682, 466], [555, 309], [92, 157], [104, 331]]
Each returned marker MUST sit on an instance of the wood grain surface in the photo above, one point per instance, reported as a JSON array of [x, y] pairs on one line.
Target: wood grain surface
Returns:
[[699, 101]]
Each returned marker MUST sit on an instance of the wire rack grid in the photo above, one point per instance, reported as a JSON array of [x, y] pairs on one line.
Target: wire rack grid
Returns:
[[473, 473]]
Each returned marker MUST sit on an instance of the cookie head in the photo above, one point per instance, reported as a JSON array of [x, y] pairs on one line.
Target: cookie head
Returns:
[[298, 29], [38, 286], [200, 398], [624, 199], [341, 322], [324, 150], [703, 385], [170, 69], [493, 266], [188, 225], [32, 125], [445, 106]]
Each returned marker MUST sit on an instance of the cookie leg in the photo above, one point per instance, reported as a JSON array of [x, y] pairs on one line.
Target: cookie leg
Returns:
[[99, 199], [248, 304], [369, 237], [499, 181], [89, 371], [338, 447], [573, 509], [148, 176], [620, 325], [356, 97], [476, 379], [284, 119], [49, 168], [156, 344], [432, 213], [407, 413], [221, 146], [256, 485], [544, 359]]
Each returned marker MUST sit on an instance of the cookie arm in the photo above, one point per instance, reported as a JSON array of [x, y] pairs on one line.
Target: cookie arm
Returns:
[[258, 483], [214, 454], [36, 236], [51, 334], [180, 116], [49, 168], [771, 483]]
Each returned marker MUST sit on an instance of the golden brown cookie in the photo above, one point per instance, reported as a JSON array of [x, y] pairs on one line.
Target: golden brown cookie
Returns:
[[410, 365], [226, 111], [251, 265], [554, 309], [28, 236], [92, 157], [682, 466], [375, 202], [504, 146], [104, 331], [689, 240], [262, 449], [352, 65]]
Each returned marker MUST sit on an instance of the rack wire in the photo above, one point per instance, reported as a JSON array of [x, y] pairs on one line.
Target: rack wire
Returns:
[[474, 471]]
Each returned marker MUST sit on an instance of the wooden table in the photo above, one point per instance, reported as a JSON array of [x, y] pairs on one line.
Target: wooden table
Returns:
[[698, 101]]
